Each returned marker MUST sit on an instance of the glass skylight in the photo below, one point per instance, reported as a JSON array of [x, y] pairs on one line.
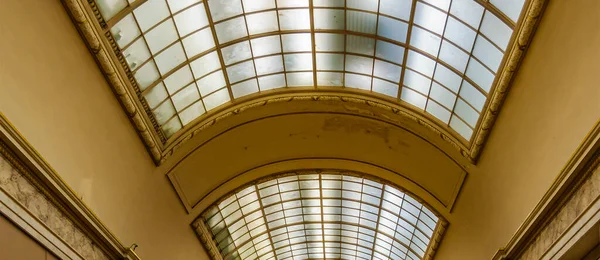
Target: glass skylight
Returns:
[[189, 56], [320, 216]]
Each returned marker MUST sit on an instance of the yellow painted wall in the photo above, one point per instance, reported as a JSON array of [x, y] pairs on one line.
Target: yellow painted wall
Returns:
[[15, 244], [554, 102], [53, 92]]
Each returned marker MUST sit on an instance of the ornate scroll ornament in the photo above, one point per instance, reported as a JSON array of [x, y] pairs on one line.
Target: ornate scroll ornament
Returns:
[[89, 22]]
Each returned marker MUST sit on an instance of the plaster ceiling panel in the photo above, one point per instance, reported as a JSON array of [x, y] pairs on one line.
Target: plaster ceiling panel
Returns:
[[444, 60], [316, 135]]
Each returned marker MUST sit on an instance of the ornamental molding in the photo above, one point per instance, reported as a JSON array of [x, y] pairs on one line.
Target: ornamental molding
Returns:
[[34, 197], [572, 199], [93, 29]]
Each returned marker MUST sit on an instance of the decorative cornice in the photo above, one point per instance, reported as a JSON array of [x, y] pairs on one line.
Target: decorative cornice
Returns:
[[520, 43], [561, 204], [101, 53], [23, 158], [438, 234], [92, 27], [343, 99]]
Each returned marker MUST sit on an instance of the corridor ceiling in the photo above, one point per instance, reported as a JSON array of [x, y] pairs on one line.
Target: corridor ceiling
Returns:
[[183, 61]]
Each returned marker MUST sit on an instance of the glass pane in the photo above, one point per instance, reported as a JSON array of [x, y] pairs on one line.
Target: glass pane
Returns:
[[461, 127], [161, 36], [192, 112], [460, 34], [360, 45], [237, 52], [205, 64], [170, 58], [244, 88], [297, 62], [185, 97], [454, 56], [216, 99], [359, 64], [296, 42], [329, 42], [430, 18], [266, 45], [487, 53], [442, 95], [447, 78], [417, 82], [210, 83], [425, 41], [357, 81], [387, 70], [466, 113], [332, 19], [512, 8], [330, 78], [125, 31], [330, 61], [413, 98], [472, 96], [268, 65], [361, 22], [223, 9], [164, 112], [390, 52], [386, 88], [262, 22], [178, 79], [146, 75], [150, 13], [191, 20], [258, 5], [136, 54], [480, 75], [468, 11], [156, 95], [367, 5], [178, 5], [295, 19], [231, 29], [420, 63], [301, 79], [109, 8], [271, 82], [392, 29], [241, 71], [396, 8], [438, 111], [497, 31]]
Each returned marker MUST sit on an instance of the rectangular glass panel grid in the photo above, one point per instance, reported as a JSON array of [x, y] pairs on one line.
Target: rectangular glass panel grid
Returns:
[[320, 216], [438, 57]]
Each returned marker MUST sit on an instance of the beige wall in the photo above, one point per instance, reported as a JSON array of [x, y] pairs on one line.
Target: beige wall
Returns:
[[54, 94], [15, 244], [554, 102]]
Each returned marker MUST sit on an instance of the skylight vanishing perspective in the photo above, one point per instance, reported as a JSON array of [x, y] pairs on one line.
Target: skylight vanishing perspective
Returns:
[[188, 57], [321, 216]]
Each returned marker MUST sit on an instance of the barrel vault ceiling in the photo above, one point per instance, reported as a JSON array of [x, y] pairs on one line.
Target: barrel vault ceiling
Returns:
[[176, 65]]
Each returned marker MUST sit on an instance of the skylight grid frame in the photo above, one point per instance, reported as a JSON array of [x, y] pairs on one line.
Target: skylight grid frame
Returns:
[[336, 236], [161, 146]]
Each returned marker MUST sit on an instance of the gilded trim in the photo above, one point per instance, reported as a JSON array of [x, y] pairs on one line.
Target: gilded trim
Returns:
[[520, 43]]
